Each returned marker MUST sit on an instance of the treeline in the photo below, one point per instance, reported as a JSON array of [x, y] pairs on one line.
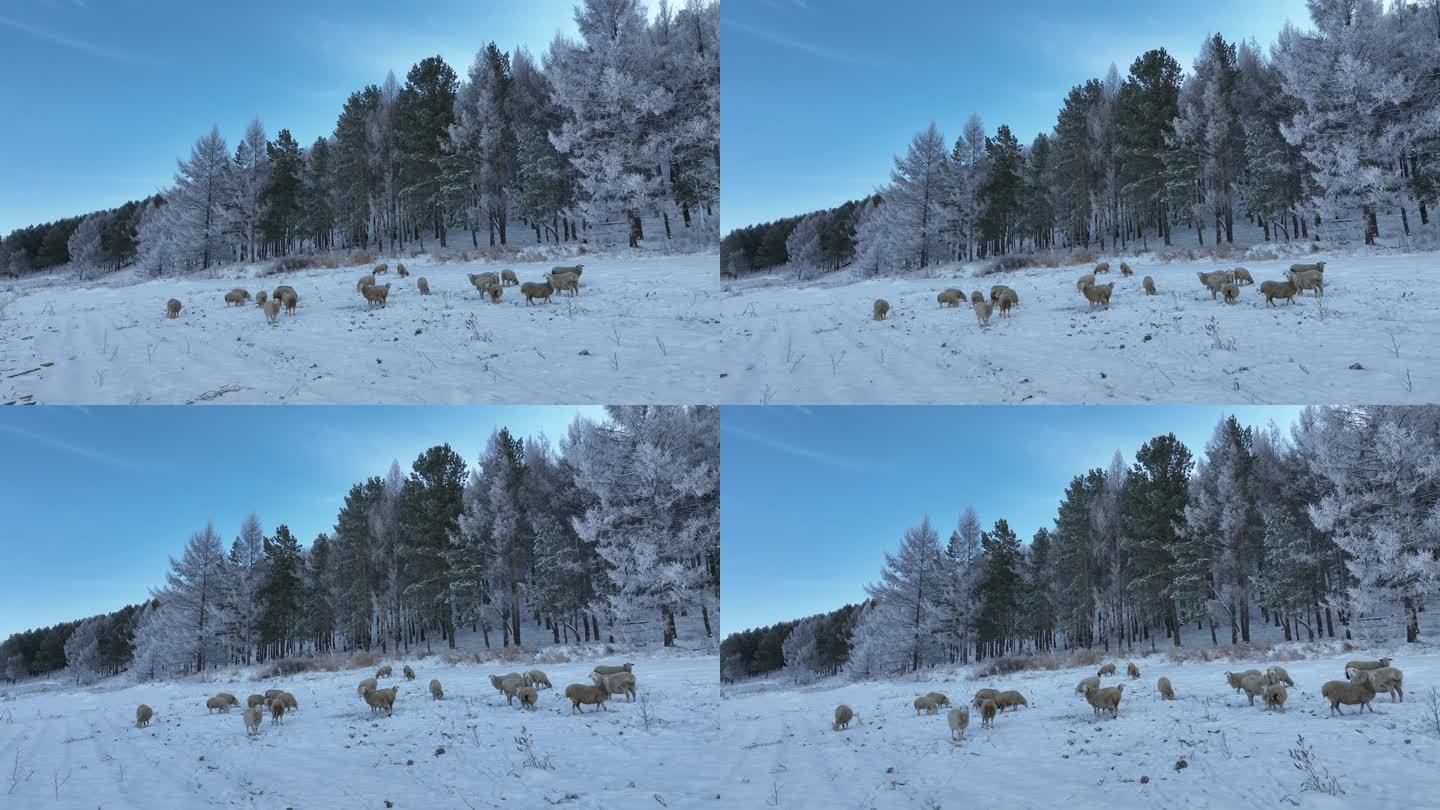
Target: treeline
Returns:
[[827, 242], [819, 648], [1333, 531], [619, 126], [38, 652], [610, 536], [109, 241], [1332, 129]]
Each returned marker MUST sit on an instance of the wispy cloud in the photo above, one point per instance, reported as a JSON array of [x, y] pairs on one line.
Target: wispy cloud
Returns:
[[792, 43], [89, 453], [791, 449], [70, 42]]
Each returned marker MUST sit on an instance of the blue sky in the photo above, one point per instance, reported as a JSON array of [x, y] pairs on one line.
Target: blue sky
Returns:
[[101, 97], [818, 95], [96, 500], [812, 497]]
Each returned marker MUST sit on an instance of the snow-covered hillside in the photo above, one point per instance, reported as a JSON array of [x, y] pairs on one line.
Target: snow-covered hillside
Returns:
[[1366, 341], [642, 329], [780, 750], [80, 748]]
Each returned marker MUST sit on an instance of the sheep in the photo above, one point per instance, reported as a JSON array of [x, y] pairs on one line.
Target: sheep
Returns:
[[1317, 267], [365, 281], [217, 703], [1277, 674], [1274, 696], [253, 717], [1234, 678], [1360, 691], [605, 669], [508, 279], [995, 291], [925, 704], [1149, 285], [1092, 681], [976, 297], [959, 719], [881, 309], [566, 281], [376, 294], [1132, 670], [1229, 293], [1213, 282], [1084, 281], [1278, 289], [576, 269], [422, 285], [1105, 669], [940, 698], [368, 683], [1313, 280], [1355, 666], [1106, 699], [381, 699], [579, 694], [408, 672], [492, 290], [436, 693], [384, 672], [172, 308], [143, 714], [531, 290], [1010, 699], [237, 296], [253, 701], [381, 268], [1253, 684], [950, 297], [843, 715], [982, 312], [987, 714], [511, 688], [1242, 276], [483, 280], [984, 695], [1103, 267], [617, 683], [272, 311], [1125, 270], [291, 299], [291, 705], [273, 693], [1166, 691], [1099, 294], [498, 681], [1008, 300], [279, 292], [528, 696], [277, 711], [538, 677], [1388, 679], [260, 298], [401, 271]]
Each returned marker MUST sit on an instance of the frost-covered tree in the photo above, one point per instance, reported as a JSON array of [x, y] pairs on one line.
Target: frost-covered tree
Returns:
[[911, 587], [803, 246], [914, 205], [1382, 465], [653, 475], [82, 650], [802, 661], [193, 597], [249, 174], [84, 245], [187, 232]]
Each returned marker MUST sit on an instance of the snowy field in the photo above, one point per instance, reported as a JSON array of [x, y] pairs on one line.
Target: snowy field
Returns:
[[66, 747], [642, 329], [816, 342], [781, 751]]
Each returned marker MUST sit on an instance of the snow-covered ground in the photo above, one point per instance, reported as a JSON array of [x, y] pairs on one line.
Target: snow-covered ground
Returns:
[[780, 750], [66, 747], [816, 342], [642, 329]]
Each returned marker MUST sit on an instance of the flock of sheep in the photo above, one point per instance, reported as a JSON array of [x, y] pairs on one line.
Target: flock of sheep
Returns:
[[1223, 283], [523, 686], [489, 285], [1364, 679]]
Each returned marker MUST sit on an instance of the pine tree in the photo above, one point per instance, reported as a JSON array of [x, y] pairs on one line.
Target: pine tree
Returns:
[[1157, 492], [1000, 591], [282, 592], [431, 504], [424, 112]]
